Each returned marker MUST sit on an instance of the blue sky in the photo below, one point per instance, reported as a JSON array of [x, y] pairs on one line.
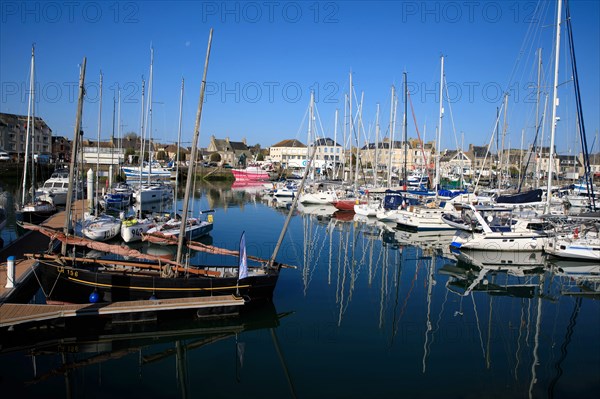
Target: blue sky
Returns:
[[267, 56]]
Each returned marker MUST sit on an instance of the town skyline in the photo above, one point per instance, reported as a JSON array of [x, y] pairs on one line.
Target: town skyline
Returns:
[[265, 62]]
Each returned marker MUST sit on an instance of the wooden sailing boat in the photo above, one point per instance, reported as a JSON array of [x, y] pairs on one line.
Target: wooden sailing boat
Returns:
[[35, 210]]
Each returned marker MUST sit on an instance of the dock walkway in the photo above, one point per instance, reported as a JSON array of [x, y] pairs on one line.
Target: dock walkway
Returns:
[[12, 314], [30, 242]]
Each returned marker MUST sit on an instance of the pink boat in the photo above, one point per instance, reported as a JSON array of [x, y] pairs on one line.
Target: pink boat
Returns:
[[251, 173]]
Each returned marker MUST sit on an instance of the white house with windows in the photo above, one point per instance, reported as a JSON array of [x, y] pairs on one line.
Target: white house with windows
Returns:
[[103, 153], [328, 153], [289, 153], [294, 154], [418, 155]]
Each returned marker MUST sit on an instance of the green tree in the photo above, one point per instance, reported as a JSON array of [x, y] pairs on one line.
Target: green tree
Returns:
[[130, 136]]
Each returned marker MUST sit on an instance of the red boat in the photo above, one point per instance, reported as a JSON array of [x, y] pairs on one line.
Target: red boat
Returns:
[[251, 173], [347, 204]]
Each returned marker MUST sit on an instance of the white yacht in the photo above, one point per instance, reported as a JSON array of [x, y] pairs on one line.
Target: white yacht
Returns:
[[495, 228], [153, 192], [581, 243], [55, 189]]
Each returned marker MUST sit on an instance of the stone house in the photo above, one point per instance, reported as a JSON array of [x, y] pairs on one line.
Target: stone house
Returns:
[[234, 153]]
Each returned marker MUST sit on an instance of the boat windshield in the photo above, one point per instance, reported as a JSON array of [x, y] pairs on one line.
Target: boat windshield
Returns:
[[500, 221]]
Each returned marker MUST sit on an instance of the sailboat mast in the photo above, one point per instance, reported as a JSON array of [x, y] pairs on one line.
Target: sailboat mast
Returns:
[[194, 153], [405, 128], [178, 144], [351, 98], [119, 132], [521, 156], [344, 175], [112, 143], [357, 134], [67, 227], [554, 105], [142, 137], [98, 141], [504, 127], [391, 143], [33, 151], [439, 130], [537, 109], [310, 122], [335, 159], [29, 123], [149, 123], [376, 158]]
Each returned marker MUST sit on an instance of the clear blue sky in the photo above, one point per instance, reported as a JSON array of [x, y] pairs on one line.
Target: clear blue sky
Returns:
[[267, 56]]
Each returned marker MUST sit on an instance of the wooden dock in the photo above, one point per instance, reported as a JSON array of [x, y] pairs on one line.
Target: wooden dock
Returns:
[[31, 242], [12, 314]]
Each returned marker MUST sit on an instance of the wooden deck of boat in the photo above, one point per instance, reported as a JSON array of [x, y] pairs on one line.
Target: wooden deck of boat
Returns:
[[30, 242], [12, 314]]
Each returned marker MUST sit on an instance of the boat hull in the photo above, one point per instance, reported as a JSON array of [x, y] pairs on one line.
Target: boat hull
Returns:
[[346, 205], [508, 241], [574, 249], [320, 198], [103, 228], [35, 213], [131, 231], [250, 175], [365, 210], [75, 285], [192, 231]]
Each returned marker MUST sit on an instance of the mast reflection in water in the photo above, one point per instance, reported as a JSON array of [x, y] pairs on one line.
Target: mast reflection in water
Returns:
[[370, 312]]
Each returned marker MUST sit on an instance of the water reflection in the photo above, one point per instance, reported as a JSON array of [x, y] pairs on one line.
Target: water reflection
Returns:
[[512, 311], [373, 303], [108, 350]]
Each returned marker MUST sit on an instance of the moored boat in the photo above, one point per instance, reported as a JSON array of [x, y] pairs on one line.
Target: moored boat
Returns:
[[85, 279], [496, 229], [101, 228], [252, 173]]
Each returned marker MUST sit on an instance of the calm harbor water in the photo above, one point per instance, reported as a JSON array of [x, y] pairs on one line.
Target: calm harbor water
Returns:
[[369, 312]]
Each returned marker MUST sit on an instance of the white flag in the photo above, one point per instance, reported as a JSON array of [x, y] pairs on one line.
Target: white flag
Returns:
[[243, 271]]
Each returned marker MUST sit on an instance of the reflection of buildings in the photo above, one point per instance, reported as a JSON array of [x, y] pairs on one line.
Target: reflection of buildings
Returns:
[[221, 195]]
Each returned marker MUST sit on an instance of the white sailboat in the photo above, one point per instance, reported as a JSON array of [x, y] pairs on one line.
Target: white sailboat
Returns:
[[194, 228], [151, 172], [317, 194], [133, 228], [429, 216], [36, 210], [101, 228], [495, 228], [575, 240]]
